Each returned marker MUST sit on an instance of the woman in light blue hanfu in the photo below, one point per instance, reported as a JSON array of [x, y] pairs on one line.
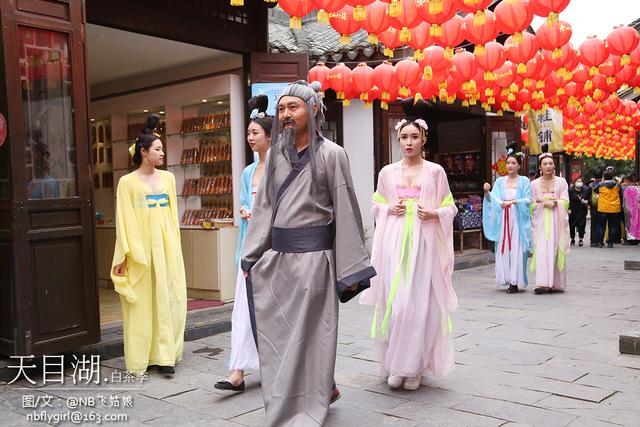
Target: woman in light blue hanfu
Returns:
[[506, 221]]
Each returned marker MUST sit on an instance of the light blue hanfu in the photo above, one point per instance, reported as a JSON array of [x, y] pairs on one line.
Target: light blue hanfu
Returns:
[[246, 201], [515, 240]]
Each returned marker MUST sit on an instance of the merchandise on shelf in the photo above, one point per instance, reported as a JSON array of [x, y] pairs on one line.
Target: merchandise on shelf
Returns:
[[469, 213], [206, 123]]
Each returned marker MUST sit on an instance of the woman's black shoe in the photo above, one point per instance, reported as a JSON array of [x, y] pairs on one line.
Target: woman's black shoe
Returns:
[[166, 370], [513, 289], [226, 385], [580, 242], [542, 290], [573, 242]]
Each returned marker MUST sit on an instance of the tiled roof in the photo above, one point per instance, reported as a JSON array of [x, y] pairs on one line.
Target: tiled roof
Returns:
[[314, 38], [635, 24]]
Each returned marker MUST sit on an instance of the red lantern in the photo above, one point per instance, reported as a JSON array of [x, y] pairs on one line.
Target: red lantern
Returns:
[[377, 20], [359, 10], [557, 58], [621, 41], [339, 79], [592, 52], [434, 63], [520, 53], [406, 19], [424, 89], [492, 59], [610, 66], [626, 74], [506, 74], [320, 72], [343, 22], [384, 76], [552, 35], [408, 73], [463, 65], [513, 17], [480, 34], [325, 7], [362, 78], [436, 13], [548, 8], [472, 6], [635, 55], [420, 40], [390, 38], [452, 34], [296, 9]]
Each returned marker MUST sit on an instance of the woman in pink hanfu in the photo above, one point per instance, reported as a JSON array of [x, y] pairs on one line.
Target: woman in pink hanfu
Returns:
[[413, 255], [550, 227]]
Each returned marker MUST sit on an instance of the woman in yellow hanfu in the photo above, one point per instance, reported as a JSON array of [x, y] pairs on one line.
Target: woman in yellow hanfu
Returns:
[[148, 269]]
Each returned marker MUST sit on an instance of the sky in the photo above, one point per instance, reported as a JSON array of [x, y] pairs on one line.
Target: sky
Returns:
[[597, 17]]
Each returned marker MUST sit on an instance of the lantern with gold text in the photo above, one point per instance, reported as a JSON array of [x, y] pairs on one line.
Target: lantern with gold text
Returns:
[[325, 7], [621, 41], [548, 8], [513, 17], [377, 20], [339, 79], [480, 34], [463, 67], [342, 21], [320, 72], [551, 36], [436, 13]]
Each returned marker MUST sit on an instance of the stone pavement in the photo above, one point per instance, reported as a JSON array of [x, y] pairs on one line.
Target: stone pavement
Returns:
[[548, 360]]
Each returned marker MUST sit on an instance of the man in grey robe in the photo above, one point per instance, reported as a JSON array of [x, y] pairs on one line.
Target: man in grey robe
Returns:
[[303, 252]]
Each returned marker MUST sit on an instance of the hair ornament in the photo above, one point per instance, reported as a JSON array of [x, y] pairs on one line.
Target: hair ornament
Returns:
[[132, 150], [422, 124], [400, 124]]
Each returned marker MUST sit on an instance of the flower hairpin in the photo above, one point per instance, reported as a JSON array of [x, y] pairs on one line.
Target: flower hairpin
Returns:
[[400, 124], [422, 124], [260, 115]]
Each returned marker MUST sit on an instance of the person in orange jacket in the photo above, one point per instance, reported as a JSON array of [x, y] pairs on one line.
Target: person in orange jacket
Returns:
[[609, 208]]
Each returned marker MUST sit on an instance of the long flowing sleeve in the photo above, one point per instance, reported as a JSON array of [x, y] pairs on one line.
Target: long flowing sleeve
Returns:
[[523, 213], [258, 234], [245, 203], [129, 246], [562, 213], [492, 212], [351, 256], [446, 212]]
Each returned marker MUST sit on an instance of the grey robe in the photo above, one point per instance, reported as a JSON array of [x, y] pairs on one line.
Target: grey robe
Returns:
[[296, 292]]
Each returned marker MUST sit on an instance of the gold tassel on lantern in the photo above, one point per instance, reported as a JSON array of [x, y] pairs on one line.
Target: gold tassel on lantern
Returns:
[[340, 94], [435, 6], [553, 17], [384, 105], [489, 76], [522, 68], [505, 105], [491, 100], [513, 88], [237, 2], [473, 101], [322, 17], [451, 99], [611, 80], [404, 91], [499, 113], [588, 85], [479, 18], [625, 59], [636, 90], [442, 85], [527, 83], [465, 103], [511, 97], [435, 30], [388, 52], [485, 106], [417, 97], [479, 50], [504, 92], [593, 71], [372, 39], [295, 23], [560, 91], [395, 8], [345, 39], [364, 96], [346, 102], [385, 95], [540, 84], [359, 13], [488, 92], [448, 52], [418, 55], [442, 94], [556, 53], [427, 73], [368, 105], [405, 35]]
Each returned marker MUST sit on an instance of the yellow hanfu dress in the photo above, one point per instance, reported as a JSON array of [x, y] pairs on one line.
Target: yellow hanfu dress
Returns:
[[153, 290]]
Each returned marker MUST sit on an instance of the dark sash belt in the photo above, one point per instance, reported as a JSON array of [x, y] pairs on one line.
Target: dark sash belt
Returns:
[[302, 239]]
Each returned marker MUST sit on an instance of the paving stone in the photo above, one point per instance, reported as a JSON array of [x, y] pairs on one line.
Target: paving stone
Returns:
[[442, 417], [219, 406], [347, 416]]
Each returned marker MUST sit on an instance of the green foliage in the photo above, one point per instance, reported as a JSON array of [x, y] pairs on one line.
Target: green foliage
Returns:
[[595, 167]]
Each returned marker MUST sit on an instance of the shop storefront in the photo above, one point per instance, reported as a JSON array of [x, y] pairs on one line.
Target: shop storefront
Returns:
[[80, 78]]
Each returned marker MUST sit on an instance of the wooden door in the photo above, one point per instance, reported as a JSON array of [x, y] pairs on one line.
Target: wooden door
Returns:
[[53, 282]]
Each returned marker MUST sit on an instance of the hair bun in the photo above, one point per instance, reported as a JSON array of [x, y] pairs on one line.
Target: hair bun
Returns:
[[316, 86], [260, 103], [151, 124]]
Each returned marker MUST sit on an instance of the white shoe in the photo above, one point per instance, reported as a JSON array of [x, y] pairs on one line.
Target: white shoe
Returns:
[[394, 381], [411, 383]]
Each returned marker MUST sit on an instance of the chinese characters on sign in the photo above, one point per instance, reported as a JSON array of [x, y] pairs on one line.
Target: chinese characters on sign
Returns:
[[545, 128]]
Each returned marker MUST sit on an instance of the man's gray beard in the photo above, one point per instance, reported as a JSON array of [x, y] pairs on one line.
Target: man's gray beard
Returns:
[[287, 139]]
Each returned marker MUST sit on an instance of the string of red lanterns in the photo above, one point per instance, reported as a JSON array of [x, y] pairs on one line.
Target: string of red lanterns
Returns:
[[527, 72]]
